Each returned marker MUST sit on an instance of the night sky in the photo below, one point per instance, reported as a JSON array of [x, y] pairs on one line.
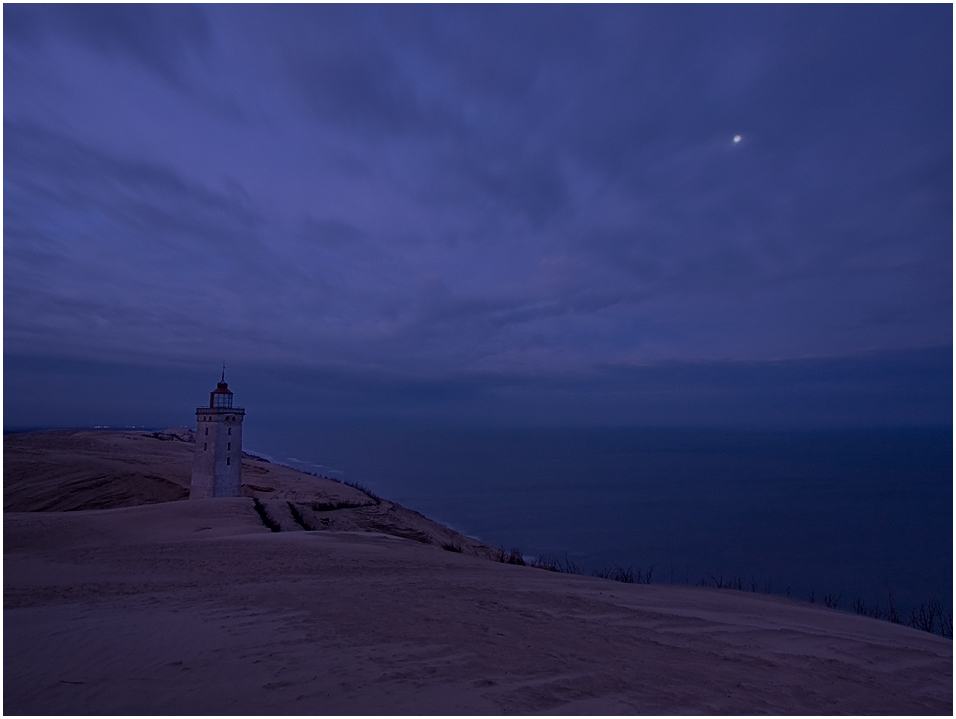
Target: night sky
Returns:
[[542, 214]]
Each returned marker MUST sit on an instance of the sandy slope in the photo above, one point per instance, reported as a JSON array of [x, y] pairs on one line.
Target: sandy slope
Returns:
[[66, 470], [194, 607]]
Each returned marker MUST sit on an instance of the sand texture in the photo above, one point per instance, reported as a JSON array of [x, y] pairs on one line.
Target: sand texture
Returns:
[[196, 607], [67, 470]]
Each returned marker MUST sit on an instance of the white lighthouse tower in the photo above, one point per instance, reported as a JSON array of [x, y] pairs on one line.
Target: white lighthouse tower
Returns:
[[217, 462]]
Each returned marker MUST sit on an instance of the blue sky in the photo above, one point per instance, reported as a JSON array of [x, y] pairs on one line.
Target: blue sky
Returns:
[[540, 213]]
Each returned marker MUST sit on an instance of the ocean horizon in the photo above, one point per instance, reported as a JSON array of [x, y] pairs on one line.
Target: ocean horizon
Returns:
[[847, 515]]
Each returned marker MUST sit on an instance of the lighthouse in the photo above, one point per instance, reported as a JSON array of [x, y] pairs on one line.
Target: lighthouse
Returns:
[[217, 462]]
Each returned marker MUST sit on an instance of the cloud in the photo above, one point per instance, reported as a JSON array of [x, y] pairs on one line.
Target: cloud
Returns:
[[104, 251], [429, 190], [159, 37], [875, 389]]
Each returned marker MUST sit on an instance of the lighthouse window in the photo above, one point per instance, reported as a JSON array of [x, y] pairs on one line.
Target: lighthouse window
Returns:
[[228, 445], [230, 431], [227, 459], [203, 446], [207, 430]]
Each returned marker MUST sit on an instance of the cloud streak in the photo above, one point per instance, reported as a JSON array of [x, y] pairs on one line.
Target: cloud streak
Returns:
[[445, 190]]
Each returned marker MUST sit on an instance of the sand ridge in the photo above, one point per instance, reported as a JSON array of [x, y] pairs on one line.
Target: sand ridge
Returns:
[[69, 470], [195, 607]]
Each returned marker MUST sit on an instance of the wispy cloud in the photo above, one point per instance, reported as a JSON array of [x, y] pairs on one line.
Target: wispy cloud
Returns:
[[475, 189]]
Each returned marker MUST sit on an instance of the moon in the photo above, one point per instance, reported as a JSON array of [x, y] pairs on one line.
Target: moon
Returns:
[[737, 138]]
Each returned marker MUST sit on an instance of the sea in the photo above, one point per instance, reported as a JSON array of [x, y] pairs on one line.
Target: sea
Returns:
[[860, 517]]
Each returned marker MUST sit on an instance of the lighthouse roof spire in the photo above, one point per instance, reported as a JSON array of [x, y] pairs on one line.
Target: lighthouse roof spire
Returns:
[[222, 395]]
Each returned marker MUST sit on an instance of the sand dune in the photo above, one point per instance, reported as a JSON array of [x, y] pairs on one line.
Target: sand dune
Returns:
[[195, 607], [68, 470]]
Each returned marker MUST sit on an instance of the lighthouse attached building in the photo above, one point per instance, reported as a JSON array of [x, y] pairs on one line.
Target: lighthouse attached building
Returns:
[[217, 463]]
